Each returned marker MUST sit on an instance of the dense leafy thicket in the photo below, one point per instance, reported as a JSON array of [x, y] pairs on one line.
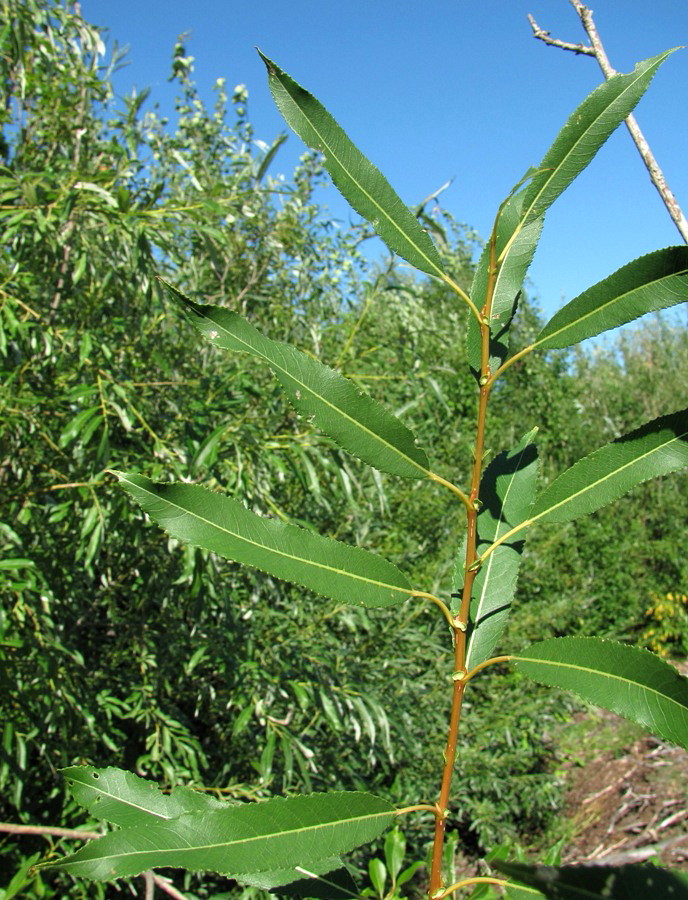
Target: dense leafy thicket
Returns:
[[180, 665]]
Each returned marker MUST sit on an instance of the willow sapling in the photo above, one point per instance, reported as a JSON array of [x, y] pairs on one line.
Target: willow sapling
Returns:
[[297, 841]]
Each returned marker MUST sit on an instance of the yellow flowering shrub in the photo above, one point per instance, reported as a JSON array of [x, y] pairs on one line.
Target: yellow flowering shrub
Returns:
[[667, 631]]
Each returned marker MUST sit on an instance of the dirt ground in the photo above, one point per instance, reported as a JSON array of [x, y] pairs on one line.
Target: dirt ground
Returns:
[[628, 801]]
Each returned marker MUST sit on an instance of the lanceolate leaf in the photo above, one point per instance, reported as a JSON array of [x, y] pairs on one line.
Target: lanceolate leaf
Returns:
[[584, 133], [631, 682], [197, 516], [269, 156], [657, 448], [630, 882], [124, 799], [652, 282], [506, 492], [278, 834], [361, 183], [518, 247], [360, 424]]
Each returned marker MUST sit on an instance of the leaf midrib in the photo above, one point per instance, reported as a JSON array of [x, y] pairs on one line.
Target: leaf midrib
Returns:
[[586, 669], [290, 556], [403, 235], [593, 484], [606, 109], [355, 422], [616, 299], [294, 831]]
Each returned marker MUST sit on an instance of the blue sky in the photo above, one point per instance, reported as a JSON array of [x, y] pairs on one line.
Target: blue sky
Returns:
[[444, 90]]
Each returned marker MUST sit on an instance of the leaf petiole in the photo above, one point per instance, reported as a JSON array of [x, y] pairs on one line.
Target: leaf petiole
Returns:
[[444, 609], [465, 499], [483, 665], [464, 296], [467, 882]]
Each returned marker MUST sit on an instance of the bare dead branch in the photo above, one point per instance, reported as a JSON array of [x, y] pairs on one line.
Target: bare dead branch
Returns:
[[545, 36], [637, 854], [610, 787], [74, 833], [168, 888], [596, 49]]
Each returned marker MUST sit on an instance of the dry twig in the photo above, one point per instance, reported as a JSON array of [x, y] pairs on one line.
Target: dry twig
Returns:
[[610, 787], [596, 49]]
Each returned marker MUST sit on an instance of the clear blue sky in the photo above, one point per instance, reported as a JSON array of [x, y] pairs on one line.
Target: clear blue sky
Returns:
[[447, 89]]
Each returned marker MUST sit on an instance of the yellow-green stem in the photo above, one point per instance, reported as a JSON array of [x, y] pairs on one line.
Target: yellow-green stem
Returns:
[[507, 536], [452, 487], [418, 807], [483, 665], [510, 362], [439, 603], [464, 296], [467, 882]]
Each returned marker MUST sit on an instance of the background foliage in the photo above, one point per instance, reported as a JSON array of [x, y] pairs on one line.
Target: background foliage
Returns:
[[179, 665]]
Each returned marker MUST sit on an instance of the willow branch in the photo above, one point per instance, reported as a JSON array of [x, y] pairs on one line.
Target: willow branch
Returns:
[[596, 49]]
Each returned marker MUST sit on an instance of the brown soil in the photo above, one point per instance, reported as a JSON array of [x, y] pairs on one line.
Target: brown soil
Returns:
[[628, 802]]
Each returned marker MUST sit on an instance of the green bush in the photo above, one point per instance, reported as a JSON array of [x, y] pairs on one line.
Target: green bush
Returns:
[[122, 649]]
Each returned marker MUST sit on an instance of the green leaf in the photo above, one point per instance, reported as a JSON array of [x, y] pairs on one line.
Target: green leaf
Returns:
[[124, 799], [207, 453], [629, 882], [224, 526], [395, 850], [269, 156], [519, 892], [266, 881], [17, 563], [23, 879], [584, 133], [652, 282], [361, 183], [634, 683], [518, 245], [278, 834], [377, 872], [81, 426], [318, 881], [506, 492], [409, 872], [657, 448], [357, 422]]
